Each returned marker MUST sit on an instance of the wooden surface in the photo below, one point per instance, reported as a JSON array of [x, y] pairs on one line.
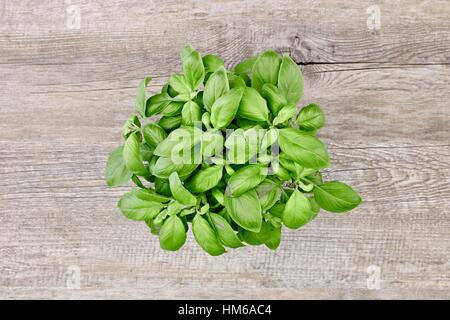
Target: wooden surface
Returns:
[[65, 92]]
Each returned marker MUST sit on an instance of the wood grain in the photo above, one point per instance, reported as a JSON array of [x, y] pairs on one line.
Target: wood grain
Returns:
[[64, 94]]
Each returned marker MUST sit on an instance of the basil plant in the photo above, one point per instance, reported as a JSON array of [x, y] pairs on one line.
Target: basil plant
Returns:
[[226, 153]]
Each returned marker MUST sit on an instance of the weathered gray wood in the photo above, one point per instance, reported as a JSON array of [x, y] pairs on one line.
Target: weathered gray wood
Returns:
[[64, 94]]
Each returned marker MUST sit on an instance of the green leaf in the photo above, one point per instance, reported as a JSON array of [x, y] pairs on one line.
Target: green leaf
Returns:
[[274, 97], [268, 235], [216, 86], [205, 179], [131, 125], [190, 114], [206, 237], [297, 211], [245, 178], [236, 81], [303, 148], [181, 139], [153, 134], [270, 137], [146, 152], [193, 69], [173, 108], [225, 232], [285, 114], [269, 193], [156, 103], [164, 167], [162, 186], [335, 196], [132, 155], [274, 238], [212, 63], [225, 108], [311, 118], [149, 195], [116, 172], [245, 66], [290, 80], [136, 206], [237, 147], [141, 100], [253, 106], [179, 192], [245, 210], [169, 123], [179, 83], [266, 69], [212, 143], [172, 234]]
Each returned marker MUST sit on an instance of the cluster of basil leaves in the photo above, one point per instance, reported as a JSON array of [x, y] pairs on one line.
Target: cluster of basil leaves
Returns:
[[229, 204]]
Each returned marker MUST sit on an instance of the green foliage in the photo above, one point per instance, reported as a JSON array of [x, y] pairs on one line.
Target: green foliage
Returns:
[[230, 155]]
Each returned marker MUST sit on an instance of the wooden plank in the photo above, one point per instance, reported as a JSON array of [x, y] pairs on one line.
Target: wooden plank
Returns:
[[64, 94]]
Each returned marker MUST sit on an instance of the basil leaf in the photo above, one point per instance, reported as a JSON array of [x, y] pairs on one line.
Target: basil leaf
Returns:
[[173, 108], [212, 143], [311, 118], [274, 238], [179, 191], [245, 66], [290, 80], [266, 69], [169, 123], [303, 148], [245, 210], [245, 178], [131, 125], [132, 155], [172, 234], [179, 83], [165, 166], [274, 97], [149, 195], [190, 114], [146, 152], [206, 237], [237, 147], [218, 195], [285, 114], [268, 235], [205, 179], [335, 196], [193, 69], [253, 106], [225, 232], [277, 210], [270, 137], [141, 100], [297, 211], [153, 134], [216, 86], [236, 81], [269, 193], [224, 109], [135, 207], [182, 139], [156, 103], [116, 173], [212, 63], [162, 186]]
